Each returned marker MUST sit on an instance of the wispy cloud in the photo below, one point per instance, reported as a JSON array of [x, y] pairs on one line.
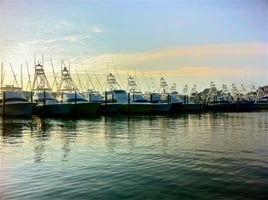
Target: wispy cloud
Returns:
[[166, 55], [65, 23], [68, 38], [97, 29], [76, 38], [244, 49], [205, 71], [221, 61]]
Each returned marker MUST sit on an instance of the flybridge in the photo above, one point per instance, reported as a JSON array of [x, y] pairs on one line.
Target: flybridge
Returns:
[[66, 82], [40, 81]]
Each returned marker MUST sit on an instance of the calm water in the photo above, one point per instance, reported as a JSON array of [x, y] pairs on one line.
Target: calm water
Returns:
[[192, 156]]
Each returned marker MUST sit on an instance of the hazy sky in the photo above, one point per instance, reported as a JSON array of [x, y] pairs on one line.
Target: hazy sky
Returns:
[[186, 41]]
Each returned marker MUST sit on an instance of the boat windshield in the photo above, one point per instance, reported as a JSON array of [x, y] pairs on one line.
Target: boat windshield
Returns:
[[77, 99], [14, 99], [119, 91], [46, 99]]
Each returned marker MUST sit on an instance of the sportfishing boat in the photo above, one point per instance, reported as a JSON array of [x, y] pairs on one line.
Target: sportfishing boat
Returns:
[[160, 105], [134, 91], [93, 96], [68, 93], [240, 102], [190, 102], [171, 97], [129, 102], [47, 104], [105, 107], [194, 103], [14, 103], [224, 101], [261, 103], [259, 96], [218, 100]]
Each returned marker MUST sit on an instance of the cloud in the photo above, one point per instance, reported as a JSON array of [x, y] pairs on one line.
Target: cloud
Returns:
[[180, 54], [68, 38], [97, 29], [223, 62], [65, 23], [204, 71], [208, 62], [245, 49], [75, 38]]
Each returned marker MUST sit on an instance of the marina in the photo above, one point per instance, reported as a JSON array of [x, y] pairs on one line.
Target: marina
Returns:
[[68, 100], [133, 100], [116, 102]]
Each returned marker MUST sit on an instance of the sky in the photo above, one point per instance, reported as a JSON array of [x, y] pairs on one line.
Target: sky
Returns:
[[185, 41]]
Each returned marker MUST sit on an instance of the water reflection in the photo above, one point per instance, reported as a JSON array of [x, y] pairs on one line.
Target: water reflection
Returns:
[[12, 129], [115, 128], [61, 139], [40, 124], [38, 139], [52, 134], [106, 155], [140, 131]]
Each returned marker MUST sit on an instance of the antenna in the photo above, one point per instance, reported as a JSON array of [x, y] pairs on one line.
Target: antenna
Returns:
[[54, 74], [90, 80], [121, 82], [1, 80], [29, 77], [61, 63], [69, 66], [146, 81], [98, 81], [79, 80], [43, 59], [21, 77], [34, 58], [15, 78], [2, 74]]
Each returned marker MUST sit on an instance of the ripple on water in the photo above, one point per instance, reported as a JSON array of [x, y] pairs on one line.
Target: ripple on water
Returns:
[[206, 156]]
